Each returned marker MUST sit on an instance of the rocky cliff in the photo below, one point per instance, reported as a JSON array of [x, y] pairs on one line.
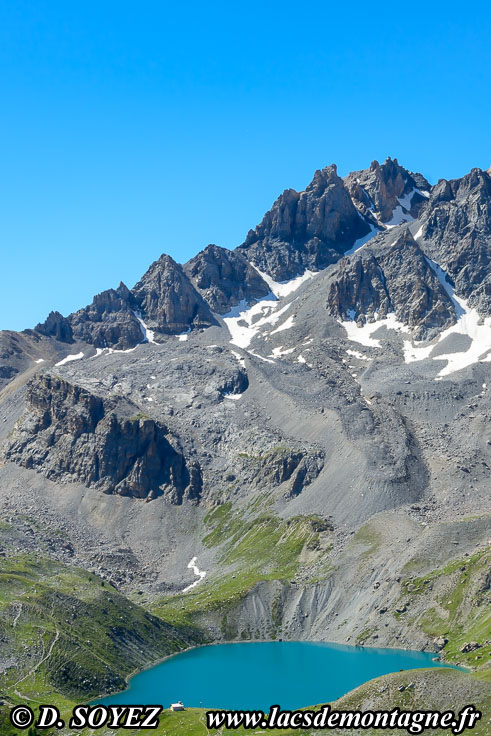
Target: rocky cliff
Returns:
[[225, 278], [392, 275], [109, 321], [455, 231], [68, 433], [57, 326]]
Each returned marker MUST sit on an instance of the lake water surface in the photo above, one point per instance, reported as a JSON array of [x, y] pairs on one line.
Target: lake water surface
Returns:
[[256, 675]]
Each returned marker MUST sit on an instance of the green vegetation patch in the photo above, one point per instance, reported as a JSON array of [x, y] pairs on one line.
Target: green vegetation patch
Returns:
[[66, 631], [263, 548], [461, 610]]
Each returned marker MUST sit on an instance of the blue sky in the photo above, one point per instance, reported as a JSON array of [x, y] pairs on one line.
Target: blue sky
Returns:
[[128, 129]]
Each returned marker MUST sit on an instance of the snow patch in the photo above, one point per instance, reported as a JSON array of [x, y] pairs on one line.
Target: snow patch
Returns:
[[239, 358], [398, 217], [469, 323], [69, 358], [357, 354], [266, 360], [284, 288], [184, 335], [301, 359], [41, 360], [285, 326], [405, 200], [244, 322], [363, 334], [148, 335], [278, 352], [110, 351], [200, 573], [413, 353]]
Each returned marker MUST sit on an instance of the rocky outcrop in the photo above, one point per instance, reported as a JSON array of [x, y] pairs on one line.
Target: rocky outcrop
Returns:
[[306, 230], [70, 434], [382, 189], [296, 469], [109, 321], [224, 278], [168, 301], [57, 326], [390, 275], [456, 232]]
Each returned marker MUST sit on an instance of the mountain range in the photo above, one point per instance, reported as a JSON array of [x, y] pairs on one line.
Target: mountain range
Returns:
[[289, 440]]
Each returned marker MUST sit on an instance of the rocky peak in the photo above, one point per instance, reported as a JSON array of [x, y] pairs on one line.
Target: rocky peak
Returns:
[[322, 179], [381, 187], [109, 321], [456, 232], [57, 326], [390, 275], [476, 184], [168, 301], [224, 278], [306, 230]]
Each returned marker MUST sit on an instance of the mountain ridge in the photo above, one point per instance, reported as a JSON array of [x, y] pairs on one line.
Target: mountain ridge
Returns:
[[329, 209]]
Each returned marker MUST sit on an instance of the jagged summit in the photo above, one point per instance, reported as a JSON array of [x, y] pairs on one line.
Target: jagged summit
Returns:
[[57, 326], [306, 230], [168, 301], [389, 191], [109, 321]]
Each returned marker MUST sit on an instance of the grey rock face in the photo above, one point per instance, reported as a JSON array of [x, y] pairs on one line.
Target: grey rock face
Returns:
[[57, 326], [168, 301], [390, 275], [456, 232], [379, 188], [306, 230], [224, 278], [297, 468], [109, 321], [68, 433]]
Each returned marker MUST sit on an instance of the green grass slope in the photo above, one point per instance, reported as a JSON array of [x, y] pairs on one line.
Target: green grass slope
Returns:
[[65, 632]]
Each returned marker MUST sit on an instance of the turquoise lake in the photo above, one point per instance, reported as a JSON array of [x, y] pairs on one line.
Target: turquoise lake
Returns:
[[257, 675]]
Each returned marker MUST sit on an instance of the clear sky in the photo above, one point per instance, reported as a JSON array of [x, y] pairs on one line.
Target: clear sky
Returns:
[[128, 129]]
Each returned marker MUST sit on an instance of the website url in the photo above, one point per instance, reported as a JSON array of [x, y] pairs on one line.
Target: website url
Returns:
[[414, 722]]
